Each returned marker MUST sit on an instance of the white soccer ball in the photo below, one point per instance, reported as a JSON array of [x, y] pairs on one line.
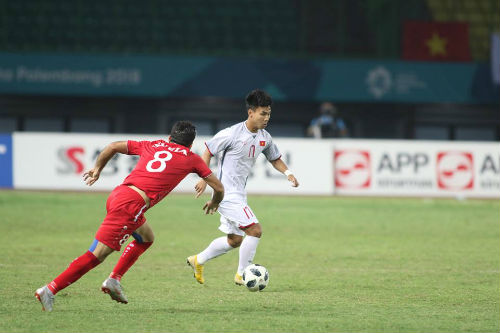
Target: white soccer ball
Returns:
[[255, 277]]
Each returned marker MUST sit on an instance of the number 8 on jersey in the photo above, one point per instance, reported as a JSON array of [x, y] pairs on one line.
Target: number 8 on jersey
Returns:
[[158, 158]]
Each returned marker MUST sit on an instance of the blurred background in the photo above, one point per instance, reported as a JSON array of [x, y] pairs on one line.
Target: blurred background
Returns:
[[415, 69]]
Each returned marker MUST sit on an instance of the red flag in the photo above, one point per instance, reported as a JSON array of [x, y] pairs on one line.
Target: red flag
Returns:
[[436, 41], [262, 143]]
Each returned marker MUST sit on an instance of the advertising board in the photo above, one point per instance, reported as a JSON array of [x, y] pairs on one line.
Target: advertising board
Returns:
[[323, 167], [417, 168], [57, 161]]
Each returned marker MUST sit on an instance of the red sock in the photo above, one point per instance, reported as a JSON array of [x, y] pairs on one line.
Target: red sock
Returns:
[[75, 270], [128, 258]]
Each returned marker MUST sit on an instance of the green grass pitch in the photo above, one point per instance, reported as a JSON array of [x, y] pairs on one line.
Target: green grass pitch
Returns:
[[336, 265]]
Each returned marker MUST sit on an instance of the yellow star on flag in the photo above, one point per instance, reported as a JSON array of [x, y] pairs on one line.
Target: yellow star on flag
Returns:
[[436, 45]]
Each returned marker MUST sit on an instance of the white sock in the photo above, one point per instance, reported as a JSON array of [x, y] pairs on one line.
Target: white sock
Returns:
[[218, 247], [247, 252]]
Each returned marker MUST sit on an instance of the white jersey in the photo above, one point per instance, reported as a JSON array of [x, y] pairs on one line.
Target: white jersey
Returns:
[[238, 149]]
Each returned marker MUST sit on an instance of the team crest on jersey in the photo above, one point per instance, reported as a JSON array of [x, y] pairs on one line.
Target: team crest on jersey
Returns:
[[262, 143]]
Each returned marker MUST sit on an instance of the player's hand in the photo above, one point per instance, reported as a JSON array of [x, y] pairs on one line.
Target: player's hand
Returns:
[[91, 176], [293, 180], [210, 207], [200, 188]]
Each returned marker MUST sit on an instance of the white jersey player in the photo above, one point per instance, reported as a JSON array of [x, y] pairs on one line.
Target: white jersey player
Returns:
[[238, 147]]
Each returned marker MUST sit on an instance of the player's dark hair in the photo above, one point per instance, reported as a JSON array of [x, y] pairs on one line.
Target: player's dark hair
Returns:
[[183, 133], [257, 98]]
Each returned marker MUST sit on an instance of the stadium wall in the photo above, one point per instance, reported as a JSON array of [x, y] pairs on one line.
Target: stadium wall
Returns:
[[55, 161]]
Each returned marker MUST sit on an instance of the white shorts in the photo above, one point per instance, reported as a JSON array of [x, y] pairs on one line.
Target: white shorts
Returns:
[[234, 218]]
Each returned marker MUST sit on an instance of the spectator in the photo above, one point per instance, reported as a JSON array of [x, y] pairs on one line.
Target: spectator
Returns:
[[327, 124]]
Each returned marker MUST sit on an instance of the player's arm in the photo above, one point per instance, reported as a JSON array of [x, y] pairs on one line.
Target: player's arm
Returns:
[[202, 184], [279, 165], [91, 176], [212, 205]]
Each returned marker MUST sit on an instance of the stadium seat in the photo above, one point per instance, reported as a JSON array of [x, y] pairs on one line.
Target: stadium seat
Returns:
[[8, 124], [44, 124]]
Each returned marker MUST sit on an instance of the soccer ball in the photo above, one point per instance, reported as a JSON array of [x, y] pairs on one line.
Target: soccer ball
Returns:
[[255, 277]]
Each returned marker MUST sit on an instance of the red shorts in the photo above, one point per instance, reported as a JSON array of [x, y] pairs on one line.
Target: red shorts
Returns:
[[125, 213]]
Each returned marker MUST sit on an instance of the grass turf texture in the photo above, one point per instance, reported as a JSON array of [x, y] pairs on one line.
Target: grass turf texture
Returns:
[[336, 265]]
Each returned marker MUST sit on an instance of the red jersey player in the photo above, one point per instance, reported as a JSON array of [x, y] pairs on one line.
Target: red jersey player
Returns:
[[161, 166]]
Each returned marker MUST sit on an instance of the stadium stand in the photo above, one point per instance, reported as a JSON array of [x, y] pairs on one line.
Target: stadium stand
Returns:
[[280, 29], [150, 27], [296, 28]]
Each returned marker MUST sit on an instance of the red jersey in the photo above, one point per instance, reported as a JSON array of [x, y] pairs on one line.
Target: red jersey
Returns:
[[161, 167]]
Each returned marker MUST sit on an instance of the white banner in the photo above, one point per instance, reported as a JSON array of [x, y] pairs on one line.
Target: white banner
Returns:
[[301, 155], [57, 161], [323, 167], [417, 168]]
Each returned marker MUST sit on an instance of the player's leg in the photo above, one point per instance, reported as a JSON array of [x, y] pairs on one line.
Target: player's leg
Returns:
[[96, 254], [234, 240], [249, 225], [100, 250], [125, 216], [216, 248], [248, 249], [249, 245], [124, 210], [143, 239]]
